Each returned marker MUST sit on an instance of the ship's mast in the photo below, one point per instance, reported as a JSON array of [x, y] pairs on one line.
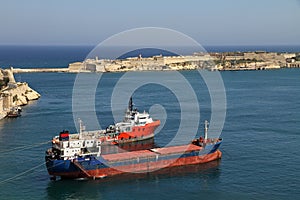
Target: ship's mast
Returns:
[[205, 129], [81, 128], [130, 105]]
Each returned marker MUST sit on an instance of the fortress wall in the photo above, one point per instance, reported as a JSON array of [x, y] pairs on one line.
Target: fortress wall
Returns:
[[2, 112], [76, 66]]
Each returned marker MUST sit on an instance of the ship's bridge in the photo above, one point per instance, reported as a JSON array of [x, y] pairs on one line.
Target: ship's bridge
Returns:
[[143, 118]]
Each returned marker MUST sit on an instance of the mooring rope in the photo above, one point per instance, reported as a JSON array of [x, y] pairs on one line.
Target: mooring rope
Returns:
[[5, 152], [25, 172], [23, 147], [21, 174]]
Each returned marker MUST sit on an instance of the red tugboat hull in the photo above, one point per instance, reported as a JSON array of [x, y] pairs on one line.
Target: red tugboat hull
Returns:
[[138, 133]]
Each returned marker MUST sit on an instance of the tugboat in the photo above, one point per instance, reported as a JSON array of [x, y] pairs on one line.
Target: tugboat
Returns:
[[135, 127], [83, 158]]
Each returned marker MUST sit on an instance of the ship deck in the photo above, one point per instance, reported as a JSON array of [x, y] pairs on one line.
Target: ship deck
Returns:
[[151, 152], [177, 149]]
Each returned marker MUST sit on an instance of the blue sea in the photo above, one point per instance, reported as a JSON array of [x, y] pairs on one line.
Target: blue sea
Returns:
[[260, 137]]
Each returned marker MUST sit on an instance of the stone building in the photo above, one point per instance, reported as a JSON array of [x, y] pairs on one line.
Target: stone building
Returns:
[[293, 64]]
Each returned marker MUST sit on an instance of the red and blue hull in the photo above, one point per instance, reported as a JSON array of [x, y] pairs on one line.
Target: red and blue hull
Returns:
[[143, 161]]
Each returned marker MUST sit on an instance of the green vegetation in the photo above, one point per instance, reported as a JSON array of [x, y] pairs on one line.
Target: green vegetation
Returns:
[[15, 98], [247, 61], [4, 82], [217, 62], [297, 58]]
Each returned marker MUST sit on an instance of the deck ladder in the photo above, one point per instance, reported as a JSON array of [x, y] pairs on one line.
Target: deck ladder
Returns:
[[77, 164]]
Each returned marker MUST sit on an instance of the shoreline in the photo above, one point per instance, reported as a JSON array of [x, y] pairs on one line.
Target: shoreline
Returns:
[[14, 94], [65, 70], [214, 61]]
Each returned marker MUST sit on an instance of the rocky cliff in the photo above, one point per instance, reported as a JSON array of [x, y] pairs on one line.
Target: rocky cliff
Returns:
[[13, 93]]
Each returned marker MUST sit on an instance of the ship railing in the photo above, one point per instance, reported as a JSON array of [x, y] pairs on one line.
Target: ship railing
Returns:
[[76, 156], [212, 140], [56, 146], [74, 136], [209, 141]]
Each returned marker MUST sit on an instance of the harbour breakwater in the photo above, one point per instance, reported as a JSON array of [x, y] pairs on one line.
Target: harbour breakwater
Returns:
[[35, 70], [13, 94]]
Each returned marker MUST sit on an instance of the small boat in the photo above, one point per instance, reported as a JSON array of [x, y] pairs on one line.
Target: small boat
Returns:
[[85, 160], [14, 112]]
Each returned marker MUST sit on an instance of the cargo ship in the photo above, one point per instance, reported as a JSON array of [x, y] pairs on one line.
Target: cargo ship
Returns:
[[86, 160], [135, 127]]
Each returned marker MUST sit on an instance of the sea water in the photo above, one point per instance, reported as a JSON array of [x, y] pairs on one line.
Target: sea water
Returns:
[[260, 139]]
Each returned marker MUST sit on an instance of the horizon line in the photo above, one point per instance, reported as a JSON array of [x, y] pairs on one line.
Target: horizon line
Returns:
[[207, 45]]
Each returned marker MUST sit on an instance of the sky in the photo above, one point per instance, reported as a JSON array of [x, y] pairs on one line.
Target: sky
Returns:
[[210, 22]]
